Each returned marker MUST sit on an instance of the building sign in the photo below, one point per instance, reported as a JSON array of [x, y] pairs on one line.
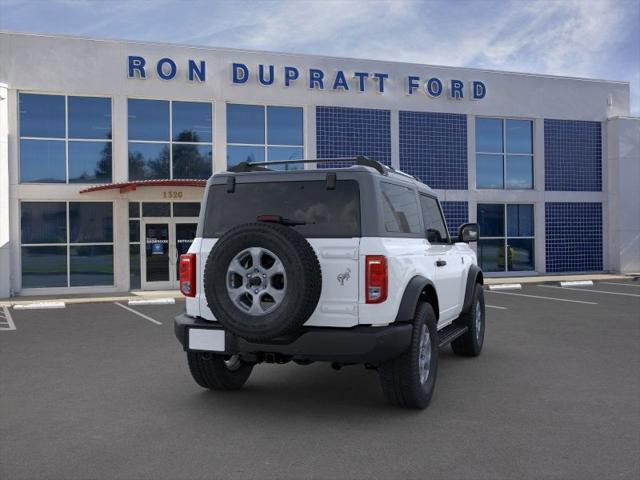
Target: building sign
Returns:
[[313, 78]]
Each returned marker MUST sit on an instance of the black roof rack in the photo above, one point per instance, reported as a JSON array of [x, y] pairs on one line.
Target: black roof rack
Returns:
[[263, 166]]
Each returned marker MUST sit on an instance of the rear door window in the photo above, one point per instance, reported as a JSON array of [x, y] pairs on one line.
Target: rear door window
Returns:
[[400, 209], [326, 213]]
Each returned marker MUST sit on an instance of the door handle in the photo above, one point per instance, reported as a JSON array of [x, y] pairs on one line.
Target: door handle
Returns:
[[441, 263]]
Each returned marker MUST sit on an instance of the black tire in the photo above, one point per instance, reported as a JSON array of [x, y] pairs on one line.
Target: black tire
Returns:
[[211, 371], [470, 344], [400, 377], [301, 290]]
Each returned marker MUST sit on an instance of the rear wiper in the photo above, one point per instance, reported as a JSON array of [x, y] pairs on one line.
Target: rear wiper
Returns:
[[281, 220]]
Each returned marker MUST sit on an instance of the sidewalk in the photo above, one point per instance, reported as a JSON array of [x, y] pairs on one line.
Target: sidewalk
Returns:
[[175, 294], [93, 297]]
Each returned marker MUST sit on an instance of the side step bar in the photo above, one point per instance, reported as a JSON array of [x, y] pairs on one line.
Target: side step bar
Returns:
[[449, 333]]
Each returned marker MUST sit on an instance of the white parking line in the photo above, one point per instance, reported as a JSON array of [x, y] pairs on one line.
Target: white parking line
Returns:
[[591, 290], [496, 307], [623, 284], [8, 321], [544, 298], [138, 313]]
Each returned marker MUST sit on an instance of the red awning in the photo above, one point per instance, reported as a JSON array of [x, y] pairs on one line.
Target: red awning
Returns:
[[131, 186]]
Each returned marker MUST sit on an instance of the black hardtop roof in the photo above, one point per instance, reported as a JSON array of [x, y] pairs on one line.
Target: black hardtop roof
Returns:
[[360, 164]]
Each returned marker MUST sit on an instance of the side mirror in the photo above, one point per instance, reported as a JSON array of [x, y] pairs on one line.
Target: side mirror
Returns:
[[469, 232]]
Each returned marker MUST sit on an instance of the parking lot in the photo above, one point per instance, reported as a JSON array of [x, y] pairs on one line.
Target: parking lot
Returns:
[[101, 391]]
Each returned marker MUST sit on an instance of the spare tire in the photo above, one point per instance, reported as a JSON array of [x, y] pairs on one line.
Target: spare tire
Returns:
[[262, 281]]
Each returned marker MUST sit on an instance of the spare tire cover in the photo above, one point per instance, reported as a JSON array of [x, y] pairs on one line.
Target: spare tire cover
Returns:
[[262, 280]]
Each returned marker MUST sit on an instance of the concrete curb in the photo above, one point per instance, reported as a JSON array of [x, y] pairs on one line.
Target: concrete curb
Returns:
[[71, 301]]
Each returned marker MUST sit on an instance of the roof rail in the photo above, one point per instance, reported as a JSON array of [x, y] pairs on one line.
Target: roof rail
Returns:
[[359, 160]]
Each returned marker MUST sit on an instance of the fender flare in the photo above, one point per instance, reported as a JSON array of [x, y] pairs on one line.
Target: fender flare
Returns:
[[411, 297], [474, 276]]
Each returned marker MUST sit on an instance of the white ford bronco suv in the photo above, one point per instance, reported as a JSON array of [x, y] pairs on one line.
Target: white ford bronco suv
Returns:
[[344, 265]]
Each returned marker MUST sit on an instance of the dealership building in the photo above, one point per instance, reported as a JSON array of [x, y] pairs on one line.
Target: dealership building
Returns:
[[105, 147]]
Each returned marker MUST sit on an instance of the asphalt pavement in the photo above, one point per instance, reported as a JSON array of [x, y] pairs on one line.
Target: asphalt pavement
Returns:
[[96, 391]]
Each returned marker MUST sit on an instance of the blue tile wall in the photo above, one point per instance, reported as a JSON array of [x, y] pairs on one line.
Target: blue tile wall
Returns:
[[456, 213], [347, 132], [433, 147], [572, 156], [573, 236]]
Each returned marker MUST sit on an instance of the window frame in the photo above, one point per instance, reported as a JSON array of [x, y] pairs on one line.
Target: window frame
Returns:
[[444, 220], [265, 146], [504, 154], [66, 139], [169, 141], [67, 244], [506, 236]]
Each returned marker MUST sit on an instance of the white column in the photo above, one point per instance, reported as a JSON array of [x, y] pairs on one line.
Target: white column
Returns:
[[5, 243], [219, 137], [395, 139], [540, 242]]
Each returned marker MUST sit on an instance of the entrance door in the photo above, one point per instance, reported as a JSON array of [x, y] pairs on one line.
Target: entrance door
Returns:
[[164, 240]]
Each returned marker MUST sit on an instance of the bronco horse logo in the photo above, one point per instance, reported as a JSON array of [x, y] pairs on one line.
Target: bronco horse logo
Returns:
[[343, 277]]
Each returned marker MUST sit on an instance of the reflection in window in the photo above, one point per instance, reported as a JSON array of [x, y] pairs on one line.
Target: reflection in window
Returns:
[[44, 118], [181, 148], [89, 162], [58, 235], [42, 161], [400, 209], [246, 140], [513, 252], [148, 161], [504, 153]]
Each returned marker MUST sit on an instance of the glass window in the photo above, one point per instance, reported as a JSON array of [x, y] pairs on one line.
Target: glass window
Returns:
[[178, 149], [134, 230], [90, 222], [41, 115], [134, 210], [65, 160], [284, 126], [186, 209], [504, 153], [191, 122], [148, 161], [286, 153], [491, 220], [156, 209], [520, 220], [489, 171], [89, 117], [519, 136], [519, 172], [44, 267], [42, 161], [400, 209], [148, 119], [134, 266], [435, 228], [245, 124], [89, 162], [43, 222], [491, 255], [489, 135], [513, 252], [192, 161], [326, 213], [237, 154], [91, 265]]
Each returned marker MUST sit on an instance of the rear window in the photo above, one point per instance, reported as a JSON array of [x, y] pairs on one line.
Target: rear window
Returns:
[[327, 213]]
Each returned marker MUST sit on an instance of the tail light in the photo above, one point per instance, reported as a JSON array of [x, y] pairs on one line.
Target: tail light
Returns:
[[188, 274], [376, 278]]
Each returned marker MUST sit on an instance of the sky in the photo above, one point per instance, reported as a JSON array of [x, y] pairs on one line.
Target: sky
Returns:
[[579, 38]]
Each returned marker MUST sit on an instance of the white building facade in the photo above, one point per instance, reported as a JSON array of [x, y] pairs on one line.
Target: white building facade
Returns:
[[105, 146]]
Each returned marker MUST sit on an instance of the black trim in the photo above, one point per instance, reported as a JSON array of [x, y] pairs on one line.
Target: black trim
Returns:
[[472, 276], [361, 344], [449, 333], [410, 299]]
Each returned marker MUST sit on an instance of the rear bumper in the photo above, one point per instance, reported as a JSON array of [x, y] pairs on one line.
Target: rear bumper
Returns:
[[361, 344]]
